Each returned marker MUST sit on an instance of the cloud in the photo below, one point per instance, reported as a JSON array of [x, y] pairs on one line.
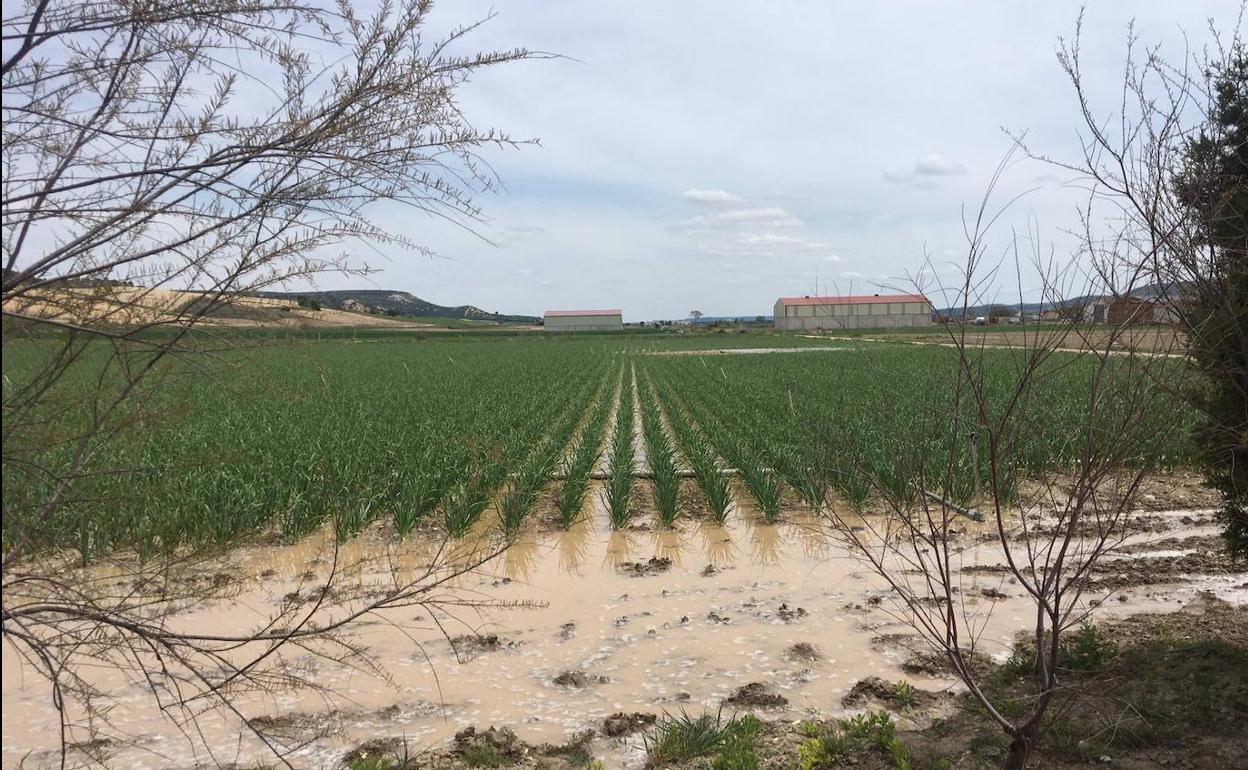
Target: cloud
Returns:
[[710, 197], [832, 258], [925, 170], [771, 214], [773, 239], [734, 219], [517, 234], [934, 164]]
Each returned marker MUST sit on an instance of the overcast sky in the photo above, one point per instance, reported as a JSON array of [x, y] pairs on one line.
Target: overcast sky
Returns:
[[716, 156]]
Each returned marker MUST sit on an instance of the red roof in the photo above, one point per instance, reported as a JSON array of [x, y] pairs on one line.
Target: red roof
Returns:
[[561, 313], [863, 299]]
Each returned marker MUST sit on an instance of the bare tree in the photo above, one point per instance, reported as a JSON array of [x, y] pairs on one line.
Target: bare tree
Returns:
[[977, 458], [161, 161], [1166, 172]]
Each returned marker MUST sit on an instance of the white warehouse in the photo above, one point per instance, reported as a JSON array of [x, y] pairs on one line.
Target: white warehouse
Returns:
[[584, 320], [874, 311]]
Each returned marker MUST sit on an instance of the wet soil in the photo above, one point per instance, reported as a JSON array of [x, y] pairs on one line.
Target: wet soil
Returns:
[[782, 606], [756, 695]]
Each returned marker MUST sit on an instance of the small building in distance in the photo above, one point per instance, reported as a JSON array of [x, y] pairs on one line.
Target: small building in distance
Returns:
[[584, 320], [874, 311]]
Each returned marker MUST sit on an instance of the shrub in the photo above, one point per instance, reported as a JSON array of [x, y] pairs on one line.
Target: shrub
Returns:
[[678, 738], [828, 747], [483, 755]]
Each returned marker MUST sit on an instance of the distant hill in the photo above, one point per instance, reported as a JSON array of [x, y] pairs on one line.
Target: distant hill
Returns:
[[395, 303], [1148, 291]]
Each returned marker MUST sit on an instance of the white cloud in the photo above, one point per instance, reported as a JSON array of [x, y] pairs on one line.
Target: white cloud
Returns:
[[769, 217], [709, 197], [832, 258], [772, 214], [934, 164], [924, 170], [773, 239]]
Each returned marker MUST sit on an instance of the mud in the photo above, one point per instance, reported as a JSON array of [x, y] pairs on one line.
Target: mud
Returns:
[[620, 724], [873, 692], [803, 651], [652, 566], [756, 695], [781, 606], [578, 679]]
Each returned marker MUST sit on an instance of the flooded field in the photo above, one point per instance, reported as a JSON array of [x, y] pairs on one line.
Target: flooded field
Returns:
[[596, 622]]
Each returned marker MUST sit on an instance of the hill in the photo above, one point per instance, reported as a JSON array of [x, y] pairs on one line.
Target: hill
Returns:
[[395, 303], [1148, 291]]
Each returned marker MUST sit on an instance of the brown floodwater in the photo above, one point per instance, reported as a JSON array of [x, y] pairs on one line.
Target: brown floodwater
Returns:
[[724, 614]]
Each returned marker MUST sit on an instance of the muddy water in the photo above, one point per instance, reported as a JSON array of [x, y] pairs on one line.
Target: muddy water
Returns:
[[724, 613]]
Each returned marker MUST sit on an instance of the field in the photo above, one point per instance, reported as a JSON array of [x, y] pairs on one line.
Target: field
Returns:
[[412, 432], [1144, 338], [637, 518]]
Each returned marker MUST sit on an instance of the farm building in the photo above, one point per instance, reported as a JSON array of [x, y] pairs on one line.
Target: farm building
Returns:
[[584, 320], [875, 311], [1130, 310]]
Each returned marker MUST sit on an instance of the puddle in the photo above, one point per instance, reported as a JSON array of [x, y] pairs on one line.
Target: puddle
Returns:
[[725, 606], [747, 351]]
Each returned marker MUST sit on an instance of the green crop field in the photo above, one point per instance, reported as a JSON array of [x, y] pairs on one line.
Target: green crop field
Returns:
[[284, 437]]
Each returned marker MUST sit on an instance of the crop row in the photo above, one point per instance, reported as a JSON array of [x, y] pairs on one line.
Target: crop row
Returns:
[[429, 433], [622, 457], [289, 438], [583, 458], [895, 420]]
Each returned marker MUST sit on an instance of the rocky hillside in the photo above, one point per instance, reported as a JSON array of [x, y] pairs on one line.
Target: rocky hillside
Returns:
[[395, 303]]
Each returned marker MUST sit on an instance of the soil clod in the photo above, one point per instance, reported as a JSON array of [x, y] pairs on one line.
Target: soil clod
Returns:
[[620, 723], [653, 566], [804, 651], [756, 695], [577, 679]]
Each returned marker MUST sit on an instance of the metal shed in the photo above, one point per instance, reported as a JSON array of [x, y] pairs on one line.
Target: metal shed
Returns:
[[873, 311], [584, 320]]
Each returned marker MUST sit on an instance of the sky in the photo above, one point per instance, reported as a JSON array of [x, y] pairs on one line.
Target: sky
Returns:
[[716, 156]]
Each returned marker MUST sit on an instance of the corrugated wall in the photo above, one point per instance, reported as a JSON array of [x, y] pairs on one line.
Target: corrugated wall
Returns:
[[584, 324]]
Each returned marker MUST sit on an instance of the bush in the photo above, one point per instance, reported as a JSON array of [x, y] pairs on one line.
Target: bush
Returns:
[[1088, 650], [679, 738], [828, 747], [739, 746]]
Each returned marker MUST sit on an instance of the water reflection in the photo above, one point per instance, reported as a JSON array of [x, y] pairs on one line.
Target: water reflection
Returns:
[[810, 530], [765, 544], [520, 557], [573, 544], [717, 542], [619, 549], [668, 544]]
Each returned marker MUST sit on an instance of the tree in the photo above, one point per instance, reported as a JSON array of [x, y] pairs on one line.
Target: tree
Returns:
[[1213, 184], [161, 161], [973, 459], [1165, 167], [694, 315]]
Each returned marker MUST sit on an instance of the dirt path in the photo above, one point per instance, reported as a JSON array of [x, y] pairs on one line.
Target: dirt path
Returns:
[[976, 344]]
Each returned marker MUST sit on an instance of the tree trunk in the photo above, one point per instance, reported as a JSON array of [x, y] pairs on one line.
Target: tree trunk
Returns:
[[1016, 759], [1022, 738]]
